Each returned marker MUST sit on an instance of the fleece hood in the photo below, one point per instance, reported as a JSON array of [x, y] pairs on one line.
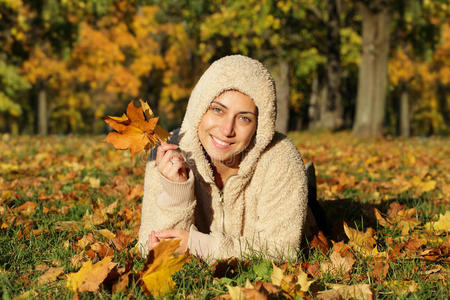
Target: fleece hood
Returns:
[[235, 72]]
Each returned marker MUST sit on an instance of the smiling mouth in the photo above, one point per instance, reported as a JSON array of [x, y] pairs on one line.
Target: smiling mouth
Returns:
[[219, 143]]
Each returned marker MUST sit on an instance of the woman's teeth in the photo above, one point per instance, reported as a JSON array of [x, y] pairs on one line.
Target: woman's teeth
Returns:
[[221, 142]]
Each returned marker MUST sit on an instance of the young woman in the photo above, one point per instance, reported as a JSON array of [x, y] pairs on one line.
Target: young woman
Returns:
[[231, 185]]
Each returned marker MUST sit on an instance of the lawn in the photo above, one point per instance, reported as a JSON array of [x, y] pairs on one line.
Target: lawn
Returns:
[[65, 200]]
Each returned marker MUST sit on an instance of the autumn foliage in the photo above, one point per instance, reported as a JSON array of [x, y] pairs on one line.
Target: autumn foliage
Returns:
[[70, 214], [136, 130]]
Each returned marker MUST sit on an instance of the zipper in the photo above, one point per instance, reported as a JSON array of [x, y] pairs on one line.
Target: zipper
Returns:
[[221, 202]]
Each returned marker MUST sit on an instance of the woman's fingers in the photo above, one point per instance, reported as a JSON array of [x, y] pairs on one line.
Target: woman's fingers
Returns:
[[162, 149], [153, 240], [172, 165], [167, 233], [183, 235]]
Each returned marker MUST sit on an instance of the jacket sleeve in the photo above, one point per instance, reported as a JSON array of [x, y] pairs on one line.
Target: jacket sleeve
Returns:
[[166, 204], [280, 210]]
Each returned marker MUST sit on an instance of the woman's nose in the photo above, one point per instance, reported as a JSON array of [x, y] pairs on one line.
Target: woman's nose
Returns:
[[227, 126]]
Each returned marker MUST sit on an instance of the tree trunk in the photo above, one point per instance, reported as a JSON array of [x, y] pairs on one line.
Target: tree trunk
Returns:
[[404, 114], [42, 111], [280, 72], [372, 81], [313, 109], [326, 108], [320, 117], [333, 117]]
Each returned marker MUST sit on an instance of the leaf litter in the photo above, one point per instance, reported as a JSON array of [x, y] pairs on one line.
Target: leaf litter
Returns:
[[102, 239]]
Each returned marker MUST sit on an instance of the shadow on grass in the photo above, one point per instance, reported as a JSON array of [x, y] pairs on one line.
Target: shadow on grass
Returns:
[[359, 214]]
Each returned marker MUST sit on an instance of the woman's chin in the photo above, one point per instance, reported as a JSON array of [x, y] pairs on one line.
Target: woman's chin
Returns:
[[232, 160]]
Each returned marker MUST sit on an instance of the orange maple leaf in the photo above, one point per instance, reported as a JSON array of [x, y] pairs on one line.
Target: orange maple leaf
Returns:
[[136, 130]]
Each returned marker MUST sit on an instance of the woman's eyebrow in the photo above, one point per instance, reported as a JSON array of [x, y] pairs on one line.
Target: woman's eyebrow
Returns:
[[224, 106], [217, 102]]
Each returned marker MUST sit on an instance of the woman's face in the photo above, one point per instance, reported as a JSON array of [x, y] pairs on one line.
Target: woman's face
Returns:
[[228, 126]]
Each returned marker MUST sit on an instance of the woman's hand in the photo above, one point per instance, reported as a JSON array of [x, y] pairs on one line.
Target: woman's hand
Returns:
[[176, 234], [170, 163], [155, 237], [152, 240]]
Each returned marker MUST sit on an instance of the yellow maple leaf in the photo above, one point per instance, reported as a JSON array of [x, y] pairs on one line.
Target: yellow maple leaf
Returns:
[[407, 225], [426, 186], [107, 234], [277, 275], [90, 276], [161, 265], [442, 224], [303, 282], [236, 292], [364, 243], [358, 238]]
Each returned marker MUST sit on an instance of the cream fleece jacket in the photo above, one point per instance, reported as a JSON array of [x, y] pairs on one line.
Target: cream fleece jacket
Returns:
[[261, 208]]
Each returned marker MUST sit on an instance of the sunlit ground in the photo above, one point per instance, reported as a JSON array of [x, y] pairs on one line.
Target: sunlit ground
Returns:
[[61, 195]]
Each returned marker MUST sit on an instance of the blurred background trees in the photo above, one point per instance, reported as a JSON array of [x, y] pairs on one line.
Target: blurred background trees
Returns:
[[373, 67]]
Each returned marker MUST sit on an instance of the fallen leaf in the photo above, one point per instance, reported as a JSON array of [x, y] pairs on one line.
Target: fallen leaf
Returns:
[[320, 242], [26, 295], [360, 239], [50, 275], [426, 186], [107, 234], [76, 259], [303, 282], [340, 291], [312, 269], [42, 267], [277, 275], [267, 287], [339, 265], [160, 266], [380, 269], [441, 253], [342, 248], [443, 224], [122, 284], [381, 220], [136, 192], [90, 276], [431, 271], [110, 209], [235, 292], [260, 290], [85, 241], [122, 240], [93, 182], [402, 287], [26, 209], [101, 249], [364, 243], [67, 226]]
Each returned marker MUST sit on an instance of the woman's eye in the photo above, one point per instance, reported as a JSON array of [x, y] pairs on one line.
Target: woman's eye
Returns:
[[245, 119], [216, 109]]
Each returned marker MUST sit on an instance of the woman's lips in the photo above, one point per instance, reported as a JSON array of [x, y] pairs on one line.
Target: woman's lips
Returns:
[[219, 143]]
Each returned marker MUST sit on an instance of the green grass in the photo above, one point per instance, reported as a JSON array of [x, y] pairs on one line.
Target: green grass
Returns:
[[63, 194]]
